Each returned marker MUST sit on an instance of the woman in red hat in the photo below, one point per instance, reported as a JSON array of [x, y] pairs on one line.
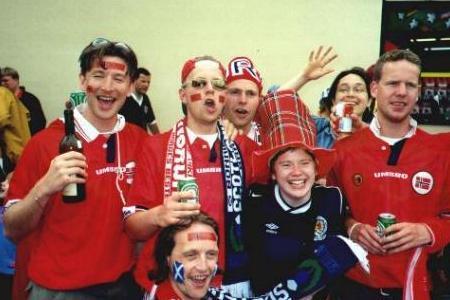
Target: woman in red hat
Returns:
[[287, 215]]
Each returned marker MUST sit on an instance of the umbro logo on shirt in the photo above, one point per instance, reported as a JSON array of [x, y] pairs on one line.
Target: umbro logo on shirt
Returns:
[[272, 228]]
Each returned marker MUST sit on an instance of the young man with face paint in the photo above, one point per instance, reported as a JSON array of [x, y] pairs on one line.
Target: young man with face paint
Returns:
[[286, 217], [80, 250], [186, 258], [195, 147], [400, 169]]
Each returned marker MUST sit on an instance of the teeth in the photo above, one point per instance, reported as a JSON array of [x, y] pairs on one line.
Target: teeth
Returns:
[[298, 181], [105, 98], [199, 277]]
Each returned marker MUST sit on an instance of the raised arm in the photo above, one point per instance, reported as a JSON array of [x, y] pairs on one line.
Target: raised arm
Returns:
[[316, 68]]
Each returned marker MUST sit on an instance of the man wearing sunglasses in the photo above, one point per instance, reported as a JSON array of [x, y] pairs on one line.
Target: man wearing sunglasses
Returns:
[[195, 147], [80, 250]]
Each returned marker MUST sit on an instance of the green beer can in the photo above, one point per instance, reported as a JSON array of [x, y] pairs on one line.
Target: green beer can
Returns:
[[384, 221], [189, 184]]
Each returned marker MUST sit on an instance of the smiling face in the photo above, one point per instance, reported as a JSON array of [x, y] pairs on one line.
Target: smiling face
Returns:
[[352, 89], [203, 93], [107, 84], [396, 92], [195, 258], [242, 103], [295, 173]]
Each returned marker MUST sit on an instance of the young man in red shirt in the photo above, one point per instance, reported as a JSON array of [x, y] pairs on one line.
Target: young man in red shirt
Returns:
[[195, 147], [80, 250], [392, 166]]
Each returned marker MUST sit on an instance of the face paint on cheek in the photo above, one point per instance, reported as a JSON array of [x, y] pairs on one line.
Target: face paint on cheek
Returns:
[[221, 99], [196, 97], [178, 272], [89, 89], [112, 65], [197, 236]]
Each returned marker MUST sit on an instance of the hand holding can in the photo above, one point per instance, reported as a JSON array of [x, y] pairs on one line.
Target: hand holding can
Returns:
[[343, 112], [189, 184], [384, 221]]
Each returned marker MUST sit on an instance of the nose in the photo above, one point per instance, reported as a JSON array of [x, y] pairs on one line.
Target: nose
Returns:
[[296, 169], [209, 87], [202, 264], [242, 98], [107, 84], [401, 88]]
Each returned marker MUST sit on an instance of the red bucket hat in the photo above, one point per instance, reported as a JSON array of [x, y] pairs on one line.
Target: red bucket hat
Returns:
[[242, 68], [285, 123]]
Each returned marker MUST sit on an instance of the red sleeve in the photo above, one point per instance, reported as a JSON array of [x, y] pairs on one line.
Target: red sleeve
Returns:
[[32, 165], [440, 225], [147, 189]]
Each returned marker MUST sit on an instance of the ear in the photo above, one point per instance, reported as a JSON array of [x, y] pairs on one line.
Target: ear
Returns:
[[182, 95], [374, 89], [273, 177], [82, 79]]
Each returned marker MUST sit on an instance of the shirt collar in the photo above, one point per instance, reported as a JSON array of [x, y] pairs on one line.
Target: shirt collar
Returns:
[[87, 130], [286, 207], [209, 138], [138, 98], [375, 127]]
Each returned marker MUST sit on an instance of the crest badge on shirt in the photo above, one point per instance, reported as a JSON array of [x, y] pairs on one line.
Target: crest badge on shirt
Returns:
[[422, 182], [357, 179], [320, 231]]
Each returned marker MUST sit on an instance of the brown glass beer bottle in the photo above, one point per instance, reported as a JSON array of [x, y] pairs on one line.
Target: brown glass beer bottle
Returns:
[[73, 192]]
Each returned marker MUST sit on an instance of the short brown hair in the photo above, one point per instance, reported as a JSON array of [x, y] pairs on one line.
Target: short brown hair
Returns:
[[392, 56]]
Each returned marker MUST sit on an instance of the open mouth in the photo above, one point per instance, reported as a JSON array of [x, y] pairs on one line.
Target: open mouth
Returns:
[[199, 281], [210, 105], [297, 183], [241, 111]]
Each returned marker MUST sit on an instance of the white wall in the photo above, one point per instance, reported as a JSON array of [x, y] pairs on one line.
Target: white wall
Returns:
[[43, 39]]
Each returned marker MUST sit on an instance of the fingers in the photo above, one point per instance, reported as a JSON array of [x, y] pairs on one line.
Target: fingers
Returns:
[[367, 237], [230, 129], [316, 57], [403, 236], [174, 210]]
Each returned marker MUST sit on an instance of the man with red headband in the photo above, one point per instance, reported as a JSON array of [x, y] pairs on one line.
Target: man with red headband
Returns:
[[79, 250], [195, 147]]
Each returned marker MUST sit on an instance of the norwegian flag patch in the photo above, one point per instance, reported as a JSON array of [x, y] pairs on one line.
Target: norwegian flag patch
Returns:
[[422, 182]]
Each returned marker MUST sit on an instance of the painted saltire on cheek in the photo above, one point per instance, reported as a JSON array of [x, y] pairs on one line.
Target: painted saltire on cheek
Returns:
[[196, 97], [112, 65], [178, 272], [221, 99]]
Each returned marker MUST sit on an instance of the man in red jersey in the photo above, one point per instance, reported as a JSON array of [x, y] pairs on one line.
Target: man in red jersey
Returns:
[[392, 166], [80, 250], [195, 147]]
